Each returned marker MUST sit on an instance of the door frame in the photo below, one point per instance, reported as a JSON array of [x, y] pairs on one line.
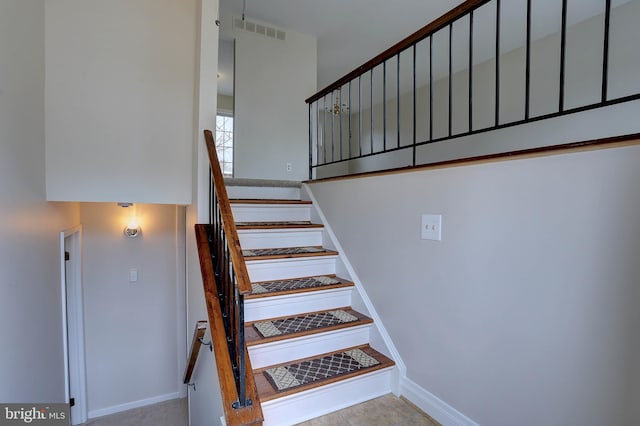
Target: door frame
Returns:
[[73, 322]]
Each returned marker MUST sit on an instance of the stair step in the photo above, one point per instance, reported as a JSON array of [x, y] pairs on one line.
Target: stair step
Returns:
[[271, 212], [296, 285], [309, 373], [286, 253], [278, 225], [267, 201], [281, 328]]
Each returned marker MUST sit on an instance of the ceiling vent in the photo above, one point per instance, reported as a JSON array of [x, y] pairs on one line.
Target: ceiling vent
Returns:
[[253, 27]]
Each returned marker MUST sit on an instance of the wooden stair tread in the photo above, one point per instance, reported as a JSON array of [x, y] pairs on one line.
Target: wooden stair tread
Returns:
[[267, 392], [286, 253], [302, 325], [278, 225], [268, 201], [296, 285]]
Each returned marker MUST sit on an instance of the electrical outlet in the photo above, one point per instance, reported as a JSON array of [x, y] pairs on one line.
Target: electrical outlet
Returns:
[[289, 167], [431, 226]]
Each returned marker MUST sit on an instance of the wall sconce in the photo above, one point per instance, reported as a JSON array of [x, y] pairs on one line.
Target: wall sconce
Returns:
[[132, 230]]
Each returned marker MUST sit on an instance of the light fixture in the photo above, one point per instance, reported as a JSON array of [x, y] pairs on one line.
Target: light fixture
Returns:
[[132, 229], [337, 108]]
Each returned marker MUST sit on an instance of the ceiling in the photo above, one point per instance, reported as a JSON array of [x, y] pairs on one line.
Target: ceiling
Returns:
[[349, 32]]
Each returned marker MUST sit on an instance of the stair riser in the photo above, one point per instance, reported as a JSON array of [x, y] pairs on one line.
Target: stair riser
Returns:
[[313, 403], [295, 304], [270, 213], [274, 193], [302, 347], [268, 270], [276, 238]]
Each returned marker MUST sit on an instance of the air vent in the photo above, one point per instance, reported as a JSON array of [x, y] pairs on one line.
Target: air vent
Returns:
[[263, 30]]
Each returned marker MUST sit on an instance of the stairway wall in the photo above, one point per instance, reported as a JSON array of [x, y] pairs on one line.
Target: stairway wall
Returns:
[[525, 312], [272, 79], [31, 358], [135, 337]]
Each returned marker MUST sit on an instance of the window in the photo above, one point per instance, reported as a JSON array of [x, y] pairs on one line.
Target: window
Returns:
[[224, 143]]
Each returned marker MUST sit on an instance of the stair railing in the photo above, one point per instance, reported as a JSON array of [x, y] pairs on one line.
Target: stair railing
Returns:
[[198, 334], [226, 282], [360, 115]]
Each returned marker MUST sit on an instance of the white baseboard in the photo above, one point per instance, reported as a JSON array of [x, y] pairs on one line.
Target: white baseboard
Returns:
[[445, 414], [131, 405]]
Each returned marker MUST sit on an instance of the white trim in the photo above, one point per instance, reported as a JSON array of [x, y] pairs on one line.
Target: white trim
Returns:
[[78, 371], [63, 301], [377, 322], [445, 414], [131, 405]]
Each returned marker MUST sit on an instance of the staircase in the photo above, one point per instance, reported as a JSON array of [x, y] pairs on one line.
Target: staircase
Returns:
[[308, 347]]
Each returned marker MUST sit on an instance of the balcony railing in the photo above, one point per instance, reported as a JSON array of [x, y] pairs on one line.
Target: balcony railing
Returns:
[[483, 66]]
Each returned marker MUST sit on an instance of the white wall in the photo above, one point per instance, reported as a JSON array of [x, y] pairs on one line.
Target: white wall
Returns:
[[31, 359], [119, 97], [525, 313], [272, 80], [133, 350]]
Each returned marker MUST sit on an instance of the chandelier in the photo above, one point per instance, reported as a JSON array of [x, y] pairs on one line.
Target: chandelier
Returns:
[[338, 107]]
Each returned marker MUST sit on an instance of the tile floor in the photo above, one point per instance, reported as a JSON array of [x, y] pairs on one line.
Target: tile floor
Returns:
[[387, 410]]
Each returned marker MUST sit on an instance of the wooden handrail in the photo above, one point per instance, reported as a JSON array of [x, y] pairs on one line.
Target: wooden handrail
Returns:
[[249, 415], [196, 343], [240, 268], [422, 33]]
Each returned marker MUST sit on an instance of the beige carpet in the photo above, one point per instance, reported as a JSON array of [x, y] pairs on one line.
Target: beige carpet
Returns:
[[169, 413]]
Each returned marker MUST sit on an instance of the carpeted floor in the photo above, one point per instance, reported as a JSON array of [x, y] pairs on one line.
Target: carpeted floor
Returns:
[[387, 410], [169, 413]]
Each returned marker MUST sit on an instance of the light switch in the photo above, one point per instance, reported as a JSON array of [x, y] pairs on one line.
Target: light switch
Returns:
[[133, 275], [431, 227]]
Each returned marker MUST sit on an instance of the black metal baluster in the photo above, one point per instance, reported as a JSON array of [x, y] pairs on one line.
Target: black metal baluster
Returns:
[[384, 106], [450, 78], [371, 111], [317, 102], [471, 71], [527, 78], [497, 112], [431, 87], [310, 141], [398, 97], [360, 115], [333, 114], [605, 52], [415, 137], [563, 48], [340, 118], [324, 133], [349, 112], [242, 391]]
